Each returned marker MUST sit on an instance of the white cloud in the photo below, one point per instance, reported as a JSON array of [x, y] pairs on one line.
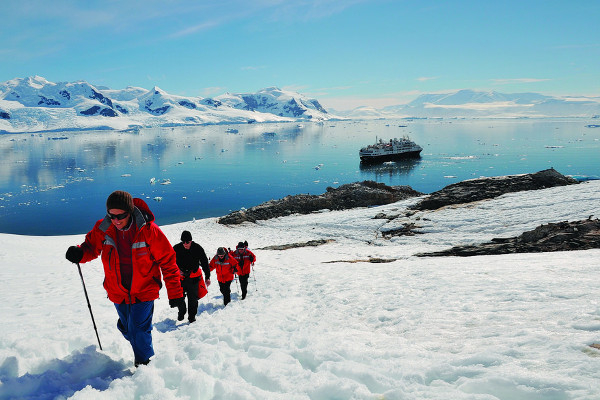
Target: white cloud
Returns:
[[197, 28], [517, 80]]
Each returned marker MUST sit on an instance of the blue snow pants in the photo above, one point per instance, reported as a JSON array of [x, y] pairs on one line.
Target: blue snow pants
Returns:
[[135, 323]]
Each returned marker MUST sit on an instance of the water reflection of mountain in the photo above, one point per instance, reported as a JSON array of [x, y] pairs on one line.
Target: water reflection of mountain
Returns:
[[390, 168]]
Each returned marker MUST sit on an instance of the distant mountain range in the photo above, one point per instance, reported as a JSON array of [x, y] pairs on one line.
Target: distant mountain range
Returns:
[[34, 104], [477, 104]]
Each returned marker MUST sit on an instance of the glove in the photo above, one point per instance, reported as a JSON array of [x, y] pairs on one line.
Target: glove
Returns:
[[74, 254], [179, 303], [207, 282]]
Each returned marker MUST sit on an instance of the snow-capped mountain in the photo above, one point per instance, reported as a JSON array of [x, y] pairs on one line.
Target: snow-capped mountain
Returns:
[[470, 103], [273, 101], [35, 104]]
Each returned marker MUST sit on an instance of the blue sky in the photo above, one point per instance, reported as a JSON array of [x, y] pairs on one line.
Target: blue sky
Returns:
[[345, 53]]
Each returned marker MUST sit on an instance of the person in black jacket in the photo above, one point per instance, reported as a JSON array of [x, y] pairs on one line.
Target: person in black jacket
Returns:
[[190, 256]]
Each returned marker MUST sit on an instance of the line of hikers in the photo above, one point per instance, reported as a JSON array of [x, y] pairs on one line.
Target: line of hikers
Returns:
[[135, 253], [190, 256]]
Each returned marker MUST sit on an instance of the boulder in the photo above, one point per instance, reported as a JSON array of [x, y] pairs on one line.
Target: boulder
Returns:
[[351, 195], [561, 236], [488, 188]]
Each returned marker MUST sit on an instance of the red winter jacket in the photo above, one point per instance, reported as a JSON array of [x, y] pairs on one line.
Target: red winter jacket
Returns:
[[225, 267], [244, 259], [151, 254]]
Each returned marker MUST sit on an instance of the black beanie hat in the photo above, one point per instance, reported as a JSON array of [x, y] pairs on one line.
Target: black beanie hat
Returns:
[[186, 236], [240, 245], [120, 200], [221, 251]]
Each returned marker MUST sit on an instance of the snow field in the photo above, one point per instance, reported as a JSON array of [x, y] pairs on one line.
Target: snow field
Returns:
[[316, 324]]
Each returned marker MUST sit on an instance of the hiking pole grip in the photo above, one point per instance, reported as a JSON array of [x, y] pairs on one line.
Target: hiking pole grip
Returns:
[[89, 305]]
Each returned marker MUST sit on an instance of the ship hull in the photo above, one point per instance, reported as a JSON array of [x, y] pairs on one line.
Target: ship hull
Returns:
[[390, 157]]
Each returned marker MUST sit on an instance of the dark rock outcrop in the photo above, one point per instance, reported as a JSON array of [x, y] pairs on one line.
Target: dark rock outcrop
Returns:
[[358, 194], [561, 236], [90, 111], [310, 243], [187, 104], [47, 102], [94, 110], [489, 188]]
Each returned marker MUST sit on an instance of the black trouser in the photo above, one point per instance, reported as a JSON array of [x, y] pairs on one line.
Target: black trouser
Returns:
[[190, 289], [244, 284], [225, 289]]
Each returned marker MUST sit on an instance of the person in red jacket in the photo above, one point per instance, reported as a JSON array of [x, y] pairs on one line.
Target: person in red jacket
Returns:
[[134, 253], [226, 266], [245, 259]]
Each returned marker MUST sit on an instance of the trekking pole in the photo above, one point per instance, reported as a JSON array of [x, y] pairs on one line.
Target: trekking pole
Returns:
[[89, 305], [254, 277]]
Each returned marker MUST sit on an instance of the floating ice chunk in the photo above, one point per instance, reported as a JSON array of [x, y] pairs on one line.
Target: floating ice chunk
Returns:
[[157, 198], [152, 181]]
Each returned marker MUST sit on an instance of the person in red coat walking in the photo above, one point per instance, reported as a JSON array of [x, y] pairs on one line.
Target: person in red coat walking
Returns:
[[135, 253], [226, 266], [245, 259]]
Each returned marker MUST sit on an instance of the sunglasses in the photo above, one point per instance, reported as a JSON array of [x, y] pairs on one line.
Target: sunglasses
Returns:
[[118, 216], [187, 242]]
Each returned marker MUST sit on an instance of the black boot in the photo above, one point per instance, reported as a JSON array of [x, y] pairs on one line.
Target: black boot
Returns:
[[181, 314], [138, 363]]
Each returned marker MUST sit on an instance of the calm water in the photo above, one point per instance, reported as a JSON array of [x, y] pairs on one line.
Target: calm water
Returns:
[[57, 183]]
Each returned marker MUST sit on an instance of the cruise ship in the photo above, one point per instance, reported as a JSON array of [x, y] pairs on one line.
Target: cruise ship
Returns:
[[394, 149]]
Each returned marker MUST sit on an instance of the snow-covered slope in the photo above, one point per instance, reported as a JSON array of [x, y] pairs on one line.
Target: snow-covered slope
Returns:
[[35, 104], [323, 323]]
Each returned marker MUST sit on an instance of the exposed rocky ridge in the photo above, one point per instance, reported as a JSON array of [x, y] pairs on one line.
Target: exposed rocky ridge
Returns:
[[561, 236], [358, 194], [488, 188], [310, 243]]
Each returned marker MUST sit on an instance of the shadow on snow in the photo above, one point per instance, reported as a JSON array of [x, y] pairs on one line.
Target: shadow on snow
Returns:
[[61, 378], [169, 324]]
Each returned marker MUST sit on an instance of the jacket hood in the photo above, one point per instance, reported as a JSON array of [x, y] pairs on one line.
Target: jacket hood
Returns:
[[144, 209]]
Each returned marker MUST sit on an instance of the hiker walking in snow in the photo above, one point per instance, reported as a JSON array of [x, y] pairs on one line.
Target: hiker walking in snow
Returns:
[[190, 256], [226, 266], [245, 259], [134, 252]]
